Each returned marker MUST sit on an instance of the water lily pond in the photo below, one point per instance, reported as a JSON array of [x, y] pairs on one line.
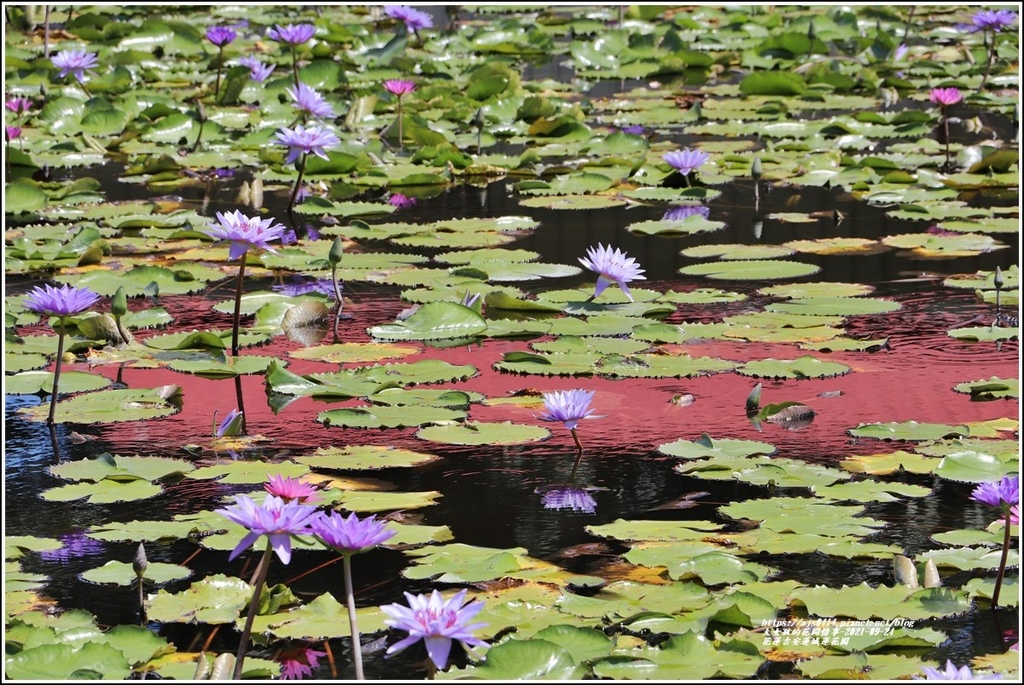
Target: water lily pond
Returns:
[[660, 342]]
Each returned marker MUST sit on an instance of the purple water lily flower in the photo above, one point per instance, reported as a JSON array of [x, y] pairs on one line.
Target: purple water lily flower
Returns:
[[1003, 493], [569, 497], [686, 161], [412, 18], [75, 62], [297, 664], [992, 20], [311, 102], [437, 622], [63, 301], [951, 672], [258, 71], [293, 34], [275, 518], [567, 406], [350, 535], [12, 132], [245, 232], [399, 87], [612, 266], [685, 212], [19, 105], [634, 129], [945, 96], [220, 35], [312, 139]]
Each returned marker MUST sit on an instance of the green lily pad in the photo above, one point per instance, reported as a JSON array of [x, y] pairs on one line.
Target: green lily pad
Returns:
[[801, 368], [41, 382], [477, 433], [388, 417], [751, 269], [908, 430], [112, 406], [433, 321], [983, 390], [122, 573]]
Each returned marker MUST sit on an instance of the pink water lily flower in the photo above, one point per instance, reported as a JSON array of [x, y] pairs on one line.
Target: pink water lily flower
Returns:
[[945, 96], [399, 87], [289, 489]]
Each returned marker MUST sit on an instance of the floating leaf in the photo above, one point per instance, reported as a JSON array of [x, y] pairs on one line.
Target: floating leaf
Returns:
[[751, 270], [477, 433], [112, 406], [800, 368]]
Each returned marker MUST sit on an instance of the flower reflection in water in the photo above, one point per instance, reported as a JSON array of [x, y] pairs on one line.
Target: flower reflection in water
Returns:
[[685, 212], [568, 496], [74, 546]]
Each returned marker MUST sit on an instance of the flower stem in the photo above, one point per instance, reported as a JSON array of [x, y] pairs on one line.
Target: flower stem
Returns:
[[576, 439], [56, 372], [400, 122], [988, 62], [238, 305], [945, 127], [254, 604], [298, 181], [1002, 561], [220, 61], [295, 67], [350, 598], [337, 295]]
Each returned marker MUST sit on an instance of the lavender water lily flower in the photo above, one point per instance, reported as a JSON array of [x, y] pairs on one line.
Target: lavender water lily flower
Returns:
[[349, 536], [279, 521], [611, 267], [309, 102], [301, 141], [274, 518], [292, 34], [992, 20], [258, 71], [75, 62], [686, 161], [951, 672], [61, 302], [1004, 494], [437, 622], [245, 232], [569, 407], [413, 18]]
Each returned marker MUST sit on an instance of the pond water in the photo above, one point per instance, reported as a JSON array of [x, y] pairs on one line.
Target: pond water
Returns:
[[491, 495]]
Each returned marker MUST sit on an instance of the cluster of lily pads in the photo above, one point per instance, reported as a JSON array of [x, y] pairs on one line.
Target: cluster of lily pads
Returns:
[[342, 117]]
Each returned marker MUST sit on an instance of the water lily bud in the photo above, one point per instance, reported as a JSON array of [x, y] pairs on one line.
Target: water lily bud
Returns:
[[755, 168], [337, 251], [997, 280], [140, 563], [119, 303]]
